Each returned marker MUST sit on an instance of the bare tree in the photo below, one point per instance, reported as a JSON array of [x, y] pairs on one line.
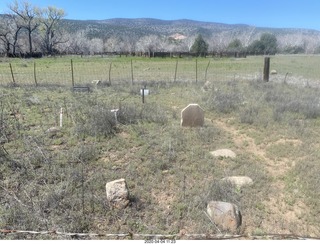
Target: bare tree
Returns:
[[6, 34], [77, 43], [112, 44], [26, 17], [290, 39], [9, 32], [49, 28], [220, 41], [129, 44], [96, 46], [149, 44], [248, 36], [187, 43]]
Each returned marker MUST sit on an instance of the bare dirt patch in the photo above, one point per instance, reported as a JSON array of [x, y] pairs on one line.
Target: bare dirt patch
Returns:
[[294, 142]]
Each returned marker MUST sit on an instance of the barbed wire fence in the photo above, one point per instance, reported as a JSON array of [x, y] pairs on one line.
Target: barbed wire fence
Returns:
[[67, 71], [79, 71], [161, 236]]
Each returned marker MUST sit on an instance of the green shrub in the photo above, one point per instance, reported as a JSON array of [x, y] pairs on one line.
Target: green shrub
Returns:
[[248, 115], [223, 191], [133, 113], [303, 101], [225, 101], [95, 120]]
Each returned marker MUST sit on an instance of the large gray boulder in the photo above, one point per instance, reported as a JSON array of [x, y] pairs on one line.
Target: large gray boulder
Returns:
[[225, 215], [192, 116], [117, 193]]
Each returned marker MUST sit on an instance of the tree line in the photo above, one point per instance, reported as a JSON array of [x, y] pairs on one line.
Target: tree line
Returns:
[[30, 31], [266, 45]]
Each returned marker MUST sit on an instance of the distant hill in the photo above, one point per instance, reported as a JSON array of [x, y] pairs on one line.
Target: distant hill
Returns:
[[184, 26], [148, 26], [218, 35], [309, 39]]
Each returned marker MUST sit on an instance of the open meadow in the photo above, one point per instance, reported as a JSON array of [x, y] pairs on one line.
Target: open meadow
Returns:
[[54, 179], [299, 69]]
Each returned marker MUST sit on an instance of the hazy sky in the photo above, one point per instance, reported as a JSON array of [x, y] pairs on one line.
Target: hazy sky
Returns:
[[260, 13]]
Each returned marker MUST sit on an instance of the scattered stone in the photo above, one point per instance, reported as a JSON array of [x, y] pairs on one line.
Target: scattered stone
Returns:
[[117, 193], [53, 131], [192, 116], [223, 153], [207, 86], [32, 101], [273, 72], [225, 215], [238, 181], [96, 82]]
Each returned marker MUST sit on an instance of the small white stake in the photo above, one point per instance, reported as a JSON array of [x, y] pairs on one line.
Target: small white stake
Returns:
[[115, 114]]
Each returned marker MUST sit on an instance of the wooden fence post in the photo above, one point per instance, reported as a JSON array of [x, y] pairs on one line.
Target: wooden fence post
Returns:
[[143, 94], [72, 76], [14, 82], [110, 73], [131, 73], [34, 73], [266, 70], [196, 70], [205, 77], [175, 72]]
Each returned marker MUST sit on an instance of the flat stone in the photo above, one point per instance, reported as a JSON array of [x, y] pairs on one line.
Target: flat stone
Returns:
[[96, 82], [224, 153], [273, 72], [33, 101], [238, 181]]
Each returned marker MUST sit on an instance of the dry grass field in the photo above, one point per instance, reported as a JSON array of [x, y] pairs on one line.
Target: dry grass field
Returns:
[[56, 181]]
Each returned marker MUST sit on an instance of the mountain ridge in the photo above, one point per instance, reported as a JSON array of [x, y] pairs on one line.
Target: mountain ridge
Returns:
[[123, 32], [218, 35], [155, 21]]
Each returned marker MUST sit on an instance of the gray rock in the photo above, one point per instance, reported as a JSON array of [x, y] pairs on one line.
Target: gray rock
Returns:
[[33, 101], [117, 193], [225, 215], [207, 86], [238, 181], [223, 153], [53, 131], [192, 116], [273, 72], [96, 82]]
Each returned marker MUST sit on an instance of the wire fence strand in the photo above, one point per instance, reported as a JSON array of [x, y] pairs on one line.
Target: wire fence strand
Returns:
[[125, 70], [159, 236]]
